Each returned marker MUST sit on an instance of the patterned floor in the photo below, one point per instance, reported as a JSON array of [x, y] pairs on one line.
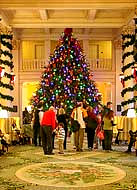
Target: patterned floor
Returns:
[[70, 174], [27, 168]]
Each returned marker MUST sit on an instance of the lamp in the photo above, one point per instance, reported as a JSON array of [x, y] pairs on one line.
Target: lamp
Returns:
[[131, 113], [3, 114], [121, 77]]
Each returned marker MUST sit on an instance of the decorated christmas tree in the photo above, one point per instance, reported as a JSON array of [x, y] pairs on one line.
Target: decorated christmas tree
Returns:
[[66, 80]]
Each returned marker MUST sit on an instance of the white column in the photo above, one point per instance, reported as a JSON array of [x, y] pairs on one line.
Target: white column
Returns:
[[118, 65], [15, 92], [47, 50], [86, 48], [129, 59]]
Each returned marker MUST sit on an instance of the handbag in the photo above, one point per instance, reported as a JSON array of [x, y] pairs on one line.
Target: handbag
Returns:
[[100, 135], [75, 126]]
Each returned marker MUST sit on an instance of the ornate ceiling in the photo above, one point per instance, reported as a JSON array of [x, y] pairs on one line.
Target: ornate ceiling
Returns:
[[85, 16]]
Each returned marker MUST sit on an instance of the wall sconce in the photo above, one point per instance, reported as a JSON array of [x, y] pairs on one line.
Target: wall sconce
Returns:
[[121, 77], [2, 71]]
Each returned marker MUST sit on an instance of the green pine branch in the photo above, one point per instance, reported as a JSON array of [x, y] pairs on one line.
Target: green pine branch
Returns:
[[127, 36], [7, 36], [6, 62], [129, 101], [8, 75], [127, 54], [10, 109], [7, 44], [7, 97], [128, 77], [129, 89], [127, 66], [6, 53], [127, 44], [6, 85]]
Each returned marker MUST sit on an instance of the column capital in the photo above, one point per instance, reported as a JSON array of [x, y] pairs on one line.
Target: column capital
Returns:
[[5, 30], [118, 43], [136, 11], [15, 44], [128, 29]]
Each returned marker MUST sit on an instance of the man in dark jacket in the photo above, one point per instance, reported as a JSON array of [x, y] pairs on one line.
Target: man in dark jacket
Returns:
[[36, 128]]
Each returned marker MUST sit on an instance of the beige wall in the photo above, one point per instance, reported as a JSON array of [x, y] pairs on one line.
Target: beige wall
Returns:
[[105, 88], [105, 49], [27, 91], [33, 49]]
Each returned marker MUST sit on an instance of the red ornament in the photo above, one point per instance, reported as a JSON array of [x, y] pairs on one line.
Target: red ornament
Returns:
[[12, 79], [1, 72], [90, 77], [123, 83], [135, 74]]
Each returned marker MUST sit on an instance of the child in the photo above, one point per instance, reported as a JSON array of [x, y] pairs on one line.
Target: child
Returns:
[[60, 133]]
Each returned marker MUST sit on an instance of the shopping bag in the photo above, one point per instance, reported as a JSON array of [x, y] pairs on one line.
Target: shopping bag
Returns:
[[100, 135]]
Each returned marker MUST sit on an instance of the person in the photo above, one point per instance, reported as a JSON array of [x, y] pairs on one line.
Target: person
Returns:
[[105, 110], [36, 127], [133, 136], [14, 131], [108, 129], [79, 113], [26, 116], [60, 133], [91, 125], [47, 126], [3, 143], [62, 118]]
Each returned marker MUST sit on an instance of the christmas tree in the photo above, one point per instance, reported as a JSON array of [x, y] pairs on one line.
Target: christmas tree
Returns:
[[66, 80]]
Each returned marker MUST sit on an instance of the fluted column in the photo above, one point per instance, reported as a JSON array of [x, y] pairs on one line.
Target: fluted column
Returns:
[[118, 64]]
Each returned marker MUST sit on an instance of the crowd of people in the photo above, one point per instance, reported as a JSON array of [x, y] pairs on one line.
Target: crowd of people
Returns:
[[53, 124], [56, 124]]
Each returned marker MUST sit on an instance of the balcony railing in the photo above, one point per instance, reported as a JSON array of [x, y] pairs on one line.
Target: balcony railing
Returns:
[[101, 64], [38, 64], [33, 64]]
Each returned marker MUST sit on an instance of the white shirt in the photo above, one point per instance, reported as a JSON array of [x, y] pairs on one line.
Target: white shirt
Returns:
[[79, 117]]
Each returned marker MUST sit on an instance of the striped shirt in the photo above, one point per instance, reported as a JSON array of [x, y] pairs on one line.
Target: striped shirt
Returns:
[[60, 134]]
